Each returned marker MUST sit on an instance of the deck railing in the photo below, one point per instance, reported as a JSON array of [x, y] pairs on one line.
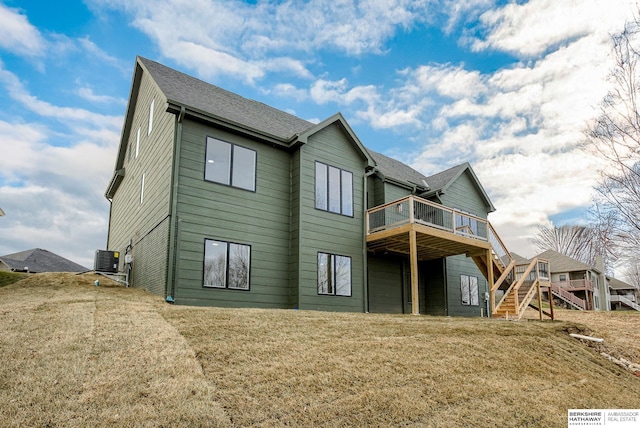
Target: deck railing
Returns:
[[502, 255], [615, 298], [413, 209], [575, 285]]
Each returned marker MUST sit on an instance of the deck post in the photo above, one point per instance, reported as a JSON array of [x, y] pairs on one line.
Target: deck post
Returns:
[[539, 298], [551, 301], [412, 212], [413, 256], [490, 282]]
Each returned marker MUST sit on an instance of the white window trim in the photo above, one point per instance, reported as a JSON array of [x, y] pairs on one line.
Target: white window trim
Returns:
[[151, 108], [473, 298], [138, 142], [142, 189]]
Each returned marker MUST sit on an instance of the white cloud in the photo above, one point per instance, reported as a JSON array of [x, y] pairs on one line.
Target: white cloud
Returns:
[[532, 28], [44, 217], [238, 39], [288, 90], [88, 94], [17, 91], [17, 35], [53, 195]]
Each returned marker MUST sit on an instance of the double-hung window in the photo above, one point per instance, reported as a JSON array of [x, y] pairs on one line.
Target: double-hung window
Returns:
[[469, 290], [334, 275], [226, 265], [230, 164], [334, 189]]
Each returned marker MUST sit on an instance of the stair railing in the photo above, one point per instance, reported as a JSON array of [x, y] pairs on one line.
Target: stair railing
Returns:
[[502, 255], [515, 286]]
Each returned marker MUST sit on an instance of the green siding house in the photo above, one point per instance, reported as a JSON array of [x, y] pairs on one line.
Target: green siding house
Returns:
[[219, 200]]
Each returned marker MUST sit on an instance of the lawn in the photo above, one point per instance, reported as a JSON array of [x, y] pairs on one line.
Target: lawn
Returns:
[[7, 278], [77, 355]]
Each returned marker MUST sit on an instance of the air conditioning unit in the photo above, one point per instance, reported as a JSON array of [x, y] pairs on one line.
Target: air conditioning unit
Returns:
[[106, 261]]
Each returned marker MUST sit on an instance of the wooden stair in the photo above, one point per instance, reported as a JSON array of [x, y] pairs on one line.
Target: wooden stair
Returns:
[[568, 297], [518, 293]]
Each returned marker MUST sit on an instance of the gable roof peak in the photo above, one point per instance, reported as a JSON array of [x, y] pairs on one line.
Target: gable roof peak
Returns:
[[202, 97]]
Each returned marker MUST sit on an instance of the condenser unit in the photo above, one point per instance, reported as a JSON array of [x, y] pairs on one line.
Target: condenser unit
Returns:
[[106, 261]]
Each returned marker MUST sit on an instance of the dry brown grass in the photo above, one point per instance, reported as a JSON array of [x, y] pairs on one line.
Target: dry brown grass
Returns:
[[619, 329], [79, 355]]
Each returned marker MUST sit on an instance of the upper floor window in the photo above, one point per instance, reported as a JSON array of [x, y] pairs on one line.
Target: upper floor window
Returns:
[[226, 265], [230, 164], [334, 189], [151, 107]]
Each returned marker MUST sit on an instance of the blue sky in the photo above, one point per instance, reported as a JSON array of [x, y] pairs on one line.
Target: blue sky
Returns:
[[506, 86]]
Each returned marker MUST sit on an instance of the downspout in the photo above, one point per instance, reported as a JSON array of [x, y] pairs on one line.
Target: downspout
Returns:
[[173, 209], [109, 227], [364, 239]]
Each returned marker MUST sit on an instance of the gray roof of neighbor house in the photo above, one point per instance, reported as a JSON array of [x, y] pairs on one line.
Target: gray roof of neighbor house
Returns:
[[616, 284], [38, 260], [213, 101], [561, 263], [520, 260]]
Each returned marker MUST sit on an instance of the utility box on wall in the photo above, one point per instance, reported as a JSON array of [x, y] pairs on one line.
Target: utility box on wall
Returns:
[[106, 261]]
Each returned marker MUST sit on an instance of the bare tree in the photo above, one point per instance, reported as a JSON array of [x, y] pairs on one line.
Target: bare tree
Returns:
[[631, 273], [577, 242], [614, 136]]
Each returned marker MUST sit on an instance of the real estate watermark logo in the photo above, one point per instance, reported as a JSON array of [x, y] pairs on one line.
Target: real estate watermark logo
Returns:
[[614, 418]]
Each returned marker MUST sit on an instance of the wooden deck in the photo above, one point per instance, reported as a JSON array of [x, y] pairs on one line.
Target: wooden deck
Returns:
[[424, 230]]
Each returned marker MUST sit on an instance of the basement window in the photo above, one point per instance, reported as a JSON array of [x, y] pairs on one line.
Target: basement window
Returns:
[[334, 275], [230, 164], [469, 290], [226, 265]]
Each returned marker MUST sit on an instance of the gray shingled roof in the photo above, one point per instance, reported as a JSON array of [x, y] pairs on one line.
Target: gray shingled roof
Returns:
[[38, 260], [561, 263], [200, 96], [616, 284], [520, 260], [395, 169], [441, 179], [186, 90]]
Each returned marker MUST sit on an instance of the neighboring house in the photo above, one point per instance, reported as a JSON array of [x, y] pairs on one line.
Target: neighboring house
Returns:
[[37, 261], [577, 284], [224, 201], [623, 296]]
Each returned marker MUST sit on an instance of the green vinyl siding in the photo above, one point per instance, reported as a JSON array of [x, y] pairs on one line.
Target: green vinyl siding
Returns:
[[294, 227], [327, 232], [260, 219], [435, 293], [150, 260], [462, 265], [393, 192], [385, 284], [464, 195], [145, 225]]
